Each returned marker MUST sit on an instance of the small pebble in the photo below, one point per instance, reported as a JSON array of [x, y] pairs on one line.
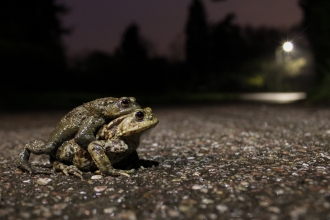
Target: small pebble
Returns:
[[222, 208], [110, 210], [197, 187], [207, 201], [43, 181], [26, 181], [173, 213], [100, 188], [96, 177], [274, 209]]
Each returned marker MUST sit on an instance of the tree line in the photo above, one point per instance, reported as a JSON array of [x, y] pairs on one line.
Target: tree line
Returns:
[[219, 57]]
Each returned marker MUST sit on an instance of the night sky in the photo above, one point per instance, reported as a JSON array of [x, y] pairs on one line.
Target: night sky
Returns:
[[100, 24]]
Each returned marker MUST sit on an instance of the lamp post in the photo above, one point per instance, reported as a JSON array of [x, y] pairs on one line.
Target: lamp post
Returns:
[[286, 47]]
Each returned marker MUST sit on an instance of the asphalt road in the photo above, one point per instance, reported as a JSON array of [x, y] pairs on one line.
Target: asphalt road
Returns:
[[234, 161]]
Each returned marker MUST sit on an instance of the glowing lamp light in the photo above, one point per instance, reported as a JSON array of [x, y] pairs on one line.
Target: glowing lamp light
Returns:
[[287, 46]]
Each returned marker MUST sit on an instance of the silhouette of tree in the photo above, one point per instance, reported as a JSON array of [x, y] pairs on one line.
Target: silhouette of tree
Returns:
[[96, 70], [316, 21], [228, 45], [132, 47], [30, 43], [33, 21], [196, 47], [196, 36], [132, 57], [99, 65]]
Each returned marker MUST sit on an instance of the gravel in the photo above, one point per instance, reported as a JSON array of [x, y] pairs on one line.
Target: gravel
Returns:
[[234, 161]]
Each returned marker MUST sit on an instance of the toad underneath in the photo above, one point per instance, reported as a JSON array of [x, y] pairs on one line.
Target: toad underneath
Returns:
[[115, 142]]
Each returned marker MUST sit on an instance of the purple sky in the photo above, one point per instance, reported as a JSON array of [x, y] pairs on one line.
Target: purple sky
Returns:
[[100, 24]]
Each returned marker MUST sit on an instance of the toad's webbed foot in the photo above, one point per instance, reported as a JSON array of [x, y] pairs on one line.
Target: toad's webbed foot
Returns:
[[115, 172], [22, 162], [67, 170], [40, 170]]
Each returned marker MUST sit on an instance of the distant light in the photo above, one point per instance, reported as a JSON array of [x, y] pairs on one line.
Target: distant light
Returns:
[[276, 97], [287, 46]]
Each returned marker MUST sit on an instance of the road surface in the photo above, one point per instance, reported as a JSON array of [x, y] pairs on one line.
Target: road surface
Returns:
[[233, 161]]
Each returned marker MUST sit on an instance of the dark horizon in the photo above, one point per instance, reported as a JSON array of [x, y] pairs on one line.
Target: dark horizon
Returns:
[[220, 55], [100, 26]]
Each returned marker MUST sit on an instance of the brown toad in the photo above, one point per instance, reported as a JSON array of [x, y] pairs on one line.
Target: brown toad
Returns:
[[116, 141], [81, 123]]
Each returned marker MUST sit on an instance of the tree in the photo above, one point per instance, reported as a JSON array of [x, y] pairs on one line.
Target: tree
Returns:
[[30, 44], [228, 45], [197, 36], [196, 47], [316, 22], [132, 47]]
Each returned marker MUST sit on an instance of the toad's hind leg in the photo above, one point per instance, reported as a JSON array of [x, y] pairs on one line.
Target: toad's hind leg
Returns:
[[22, 161], [67, 170]]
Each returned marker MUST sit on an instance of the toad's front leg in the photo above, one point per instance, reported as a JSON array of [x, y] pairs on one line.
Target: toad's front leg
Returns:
[[86, 132], [96, 150]]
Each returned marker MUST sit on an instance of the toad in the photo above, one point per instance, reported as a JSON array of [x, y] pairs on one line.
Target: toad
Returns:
[[115, 142], [81, 124]]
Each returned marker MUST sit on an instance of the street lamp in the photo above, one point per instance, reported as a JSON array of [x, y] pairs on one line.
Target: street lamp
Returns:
[[287, 46]]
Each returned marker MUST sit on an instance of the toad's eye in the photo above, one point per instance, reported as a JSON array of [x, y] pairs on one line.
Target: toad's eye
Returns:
[[139, 115], [125, 102]]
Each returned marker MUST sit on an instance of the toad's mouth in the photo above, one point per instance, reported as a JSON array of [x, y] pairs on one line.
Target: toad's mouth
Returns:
[[151, 125]]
